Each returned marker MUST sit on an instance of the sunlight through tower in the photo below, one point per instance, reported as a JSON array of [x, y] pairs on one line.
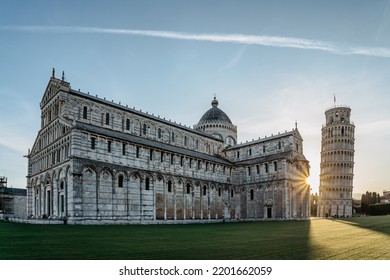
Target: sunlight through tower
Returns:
[[337, 161]]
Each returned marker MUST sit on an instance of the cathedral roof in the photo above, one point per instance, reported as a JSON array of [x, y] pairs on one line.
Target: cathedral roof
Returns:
[[151, 143], [214, 115]]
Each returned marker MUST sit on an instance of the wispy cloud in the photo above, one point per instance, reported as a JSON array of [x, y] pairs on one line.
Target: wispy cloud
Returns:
[[262, 40]]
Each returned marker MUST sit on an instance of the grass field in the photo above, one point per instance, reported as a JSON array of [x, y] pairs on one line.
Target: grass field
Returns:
[[319, 239]]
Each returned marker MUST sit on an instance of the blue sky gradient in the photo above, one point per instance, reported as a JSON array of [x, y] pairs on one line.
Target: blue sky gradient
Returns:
[[269, 63]]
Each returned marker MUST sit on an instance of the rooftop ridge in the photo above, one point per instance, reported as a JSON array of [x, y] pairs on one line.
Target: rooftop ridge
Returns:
[[144, 114]]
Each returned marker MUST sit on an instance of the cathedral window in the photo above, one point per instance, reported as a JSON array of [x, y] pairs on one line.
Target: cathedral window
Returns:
[[249, 171], [147, 183], [107, 118], [207, 166], [197, 144], [199, 164], [252, 194], [188, 189], [264, 149], [280, 145], [162, 157], [266, 167], [62, 204], [172, 159], [190, 162], [169, 186], [181, 160], [120, 181], [238, 154], [124, 149], [144, 127], [137, 152], [214, 168], [185, 140], [93, 143], [204, 190], [109, 146], [151, 154], [219, 191], [275, 166], [127, 124], [249, 152], [224, 170], [159, 133], [231, 193], [173, 137], [85, 112], [257, 169]]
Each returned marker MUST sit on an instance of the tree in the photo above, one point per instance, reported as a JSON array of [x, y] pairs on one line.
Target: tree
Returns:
[[369, 198]]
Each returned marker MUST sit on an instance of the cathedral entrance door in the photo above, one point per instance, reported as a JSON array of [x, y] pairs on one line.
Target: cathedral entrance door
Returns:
[[269, 212]]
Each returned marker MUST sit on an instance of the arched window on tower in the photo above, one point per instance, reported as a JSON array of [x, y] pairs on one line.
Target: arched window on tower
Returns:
[[252, 194], [107, 119]]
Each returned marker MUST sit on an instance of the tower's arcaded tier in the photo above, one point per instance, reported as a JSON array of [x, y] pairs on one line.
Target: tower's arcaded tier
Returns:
[[337, 161]]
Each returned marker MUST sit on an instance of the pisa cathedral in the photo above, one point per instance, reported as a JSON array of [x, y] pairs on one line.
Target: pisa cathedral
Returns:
[[95, 161]]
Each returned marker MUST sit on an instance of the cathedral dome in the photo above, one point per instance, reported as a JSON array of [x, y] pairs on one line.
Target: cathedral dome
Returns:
[[214, 115], [216, 123]]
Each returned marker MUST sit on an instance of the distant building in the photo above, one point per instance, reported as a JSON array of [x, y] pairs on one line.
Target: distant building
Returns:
[[337, 162], [13, 201], [386, 197], [95, 161]]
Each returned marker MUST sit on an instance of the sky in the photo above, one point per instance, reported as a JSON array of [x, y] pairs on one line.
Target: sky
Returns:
[[269, 63]]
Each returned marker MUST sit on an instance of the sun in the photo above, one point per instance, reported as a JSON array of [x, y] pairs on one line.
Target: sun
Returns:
[[310, 181]]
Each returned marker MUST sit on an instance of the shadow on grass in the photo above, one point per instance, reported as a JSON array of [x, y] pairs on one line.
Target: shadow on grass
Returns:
[[286, 240], [377, 223]]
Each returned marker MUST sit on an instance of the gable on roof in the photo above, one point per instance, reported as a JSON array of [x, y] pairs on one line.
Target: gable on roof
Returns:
[[53, 87]]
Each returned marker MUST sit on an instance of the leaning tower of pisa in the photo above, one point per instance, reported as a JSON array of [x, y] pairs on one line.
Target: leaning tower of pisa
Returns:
[[337, 161]]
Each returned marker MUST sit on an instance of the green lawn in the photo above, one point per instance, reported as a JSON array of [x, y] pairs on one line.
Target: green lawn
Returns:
[[357, 238]]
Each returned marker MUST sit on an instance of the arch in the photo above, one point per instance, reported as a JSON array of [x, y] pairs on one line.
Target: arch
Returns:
[[135, 175], [106, 172]]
